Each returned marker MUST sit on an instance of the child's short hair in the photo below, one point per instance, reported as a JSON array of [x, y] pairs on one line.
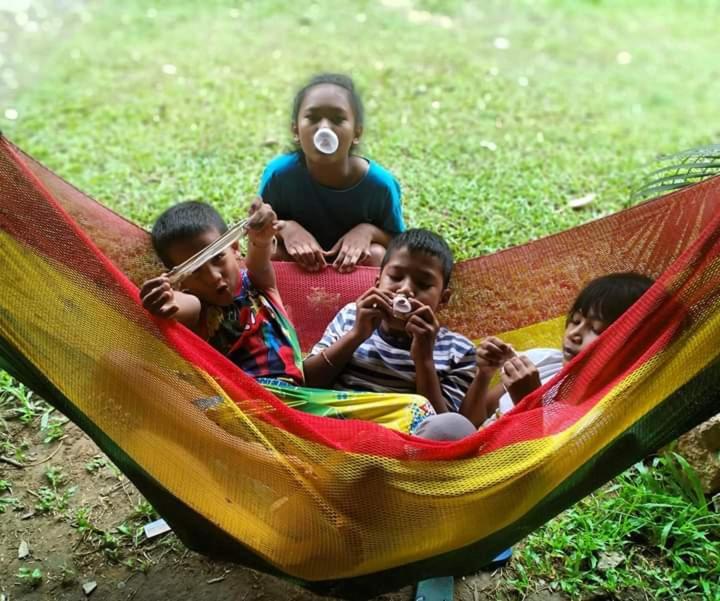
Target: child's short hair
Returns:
[[609, 296], [336, 79], [424, 241], [182, 221]]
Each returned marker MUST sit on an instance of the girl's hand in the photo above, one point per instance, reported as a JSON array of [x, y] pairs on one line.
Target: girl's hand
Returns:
[[422, 326], [372, 306], [492, 353], [263, 222], [352, 248], [520, 377], [302, 246], [158, 297]]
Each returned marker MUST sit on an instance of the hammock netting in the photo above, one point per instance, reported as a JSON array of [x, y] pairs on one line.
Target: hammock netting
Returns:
[[344, 504]]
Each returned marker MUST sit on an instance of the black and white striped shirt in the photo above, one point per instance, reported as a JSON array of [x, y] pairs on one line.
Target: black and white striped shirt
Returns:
[[383, 363]]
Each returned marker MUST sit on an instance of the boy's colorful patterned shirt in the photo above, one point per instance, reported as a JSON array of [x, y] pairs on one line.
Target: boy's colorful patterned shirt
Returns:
[[255, 334]]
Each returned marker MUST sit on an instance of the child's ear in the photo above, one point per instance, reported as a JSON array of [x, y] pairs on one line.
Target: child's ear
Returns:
[[358, 134], [294, 129], [445, 296]]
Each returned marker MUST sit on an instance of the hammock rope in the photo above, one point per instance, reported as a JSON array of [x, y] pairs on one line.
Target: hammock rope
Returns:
[[341, 503]]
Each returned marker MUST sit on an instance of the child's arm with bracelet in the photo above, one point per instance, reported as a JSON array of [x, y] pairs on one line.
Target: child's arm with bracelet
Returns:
[[159, 298], [322, 368]]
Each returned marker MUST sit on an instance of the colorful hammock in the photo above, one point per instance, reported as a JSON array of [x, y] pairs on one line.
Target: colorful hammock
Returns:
[[326, 500]]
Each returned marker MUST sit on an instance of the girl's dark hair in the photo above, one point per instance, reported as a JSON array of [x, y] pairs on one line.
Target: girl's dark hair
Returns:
[[423, 241], [336, 79], [181, 222], [609, 296]]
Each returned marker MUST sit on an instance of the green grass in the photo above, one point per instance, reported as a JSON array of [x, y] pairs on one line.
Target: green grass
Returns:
[[103, 113], [652, 530], [488, 143]]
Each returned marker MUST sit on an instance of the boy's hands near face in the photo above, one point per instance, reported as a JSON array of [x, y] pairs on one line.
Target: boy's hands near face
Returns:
[[158, 297], [422, 325], [492, 353], [520, 377], [372, 306]]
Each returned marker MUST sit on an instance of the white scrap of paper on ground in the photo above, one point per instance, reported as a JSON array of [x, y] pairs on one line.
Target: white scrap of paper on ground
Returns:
[[156, 528]]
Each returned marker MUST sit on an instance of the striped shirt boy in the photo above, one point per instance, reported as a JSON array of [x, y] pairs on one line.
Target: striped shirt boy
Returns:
[[383, 363]]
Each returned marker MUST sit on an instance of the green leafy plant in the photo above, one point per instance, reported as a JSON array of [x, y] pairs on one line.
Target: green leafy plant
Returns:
[[32, 578], [81, 522], [55, 476], [95, 464], [680, 170], [52, 427], [6, 502], [144, 511], [52, 499]]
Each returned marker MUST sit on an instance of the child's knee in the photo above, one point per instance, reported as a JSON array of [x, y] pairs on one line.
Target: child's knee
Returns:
[[446, 426]]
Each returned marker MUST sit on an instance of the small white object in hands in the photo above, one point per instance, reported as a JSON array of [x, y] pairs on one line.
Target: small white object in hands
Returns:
[[401, 306], [325, 140]]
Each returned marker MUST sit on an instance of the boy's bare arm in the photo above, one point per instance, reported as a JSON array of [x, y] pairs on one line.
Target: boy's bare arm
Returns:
[[322, 369], [427, 384], [160, 299], [423, 326], [262, 228], [481, 400]]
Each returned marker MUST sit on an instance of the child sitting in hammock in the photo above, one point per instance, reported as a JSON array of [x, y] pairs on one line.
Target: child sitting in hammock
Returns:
[[598, 305], [369, 345], [239, 311]]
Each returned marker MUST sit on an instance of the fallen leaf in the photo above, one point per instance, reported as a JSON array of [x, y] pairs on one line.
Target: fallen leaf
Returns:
[[23, 550], [581, 201]]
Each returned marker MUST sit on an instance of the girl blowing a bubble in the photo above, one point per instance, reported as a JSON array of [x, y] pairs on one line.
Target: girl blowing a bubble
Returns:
[[339, 208]]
